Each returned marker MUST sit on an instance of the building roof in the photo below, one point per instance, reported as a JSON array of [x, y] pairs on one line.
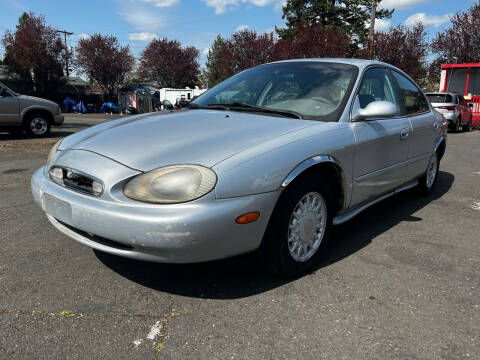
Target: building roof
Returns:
[[456, 66]]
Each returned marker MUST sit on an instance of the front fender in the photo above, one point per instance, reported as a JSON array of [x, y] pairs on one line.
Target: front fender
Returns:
[[268, 171]]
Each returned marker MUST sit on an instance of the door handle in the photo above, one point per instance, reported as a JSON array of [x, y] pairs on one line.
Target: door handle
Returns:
[[404, 133]]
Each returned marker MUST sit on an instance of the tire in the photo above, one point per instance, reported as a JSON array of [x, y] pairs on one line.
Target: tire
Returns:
[[468, 127], [294, 242], [457, 125], [428, 181], [37, 125]]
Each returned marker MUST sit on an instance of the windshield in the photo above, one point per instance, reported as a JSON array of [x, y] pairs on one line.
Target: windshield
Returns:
[[439, 98], [315, 90]]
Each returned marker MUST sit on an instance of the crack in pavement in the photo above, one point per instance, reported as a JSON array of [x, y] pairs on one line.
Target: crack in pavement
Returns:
[[68, 313]]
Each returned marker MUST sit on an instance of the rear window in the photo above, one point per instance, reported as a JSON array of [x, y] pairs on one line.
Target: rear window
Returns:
[[439, 98]]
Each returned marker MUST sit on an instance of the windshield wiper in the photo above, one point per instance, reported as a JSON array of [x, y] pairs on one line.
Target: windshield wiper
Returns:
[[248, 107], [210, 106]]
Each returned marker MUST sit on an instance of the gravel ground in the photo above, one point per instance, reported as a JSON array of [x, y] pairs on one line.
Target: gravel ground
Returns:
[[401, 281]]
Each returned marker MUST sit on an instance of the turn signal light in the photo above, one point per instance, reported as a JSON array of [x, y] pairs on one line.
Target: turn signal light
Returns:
[[248, 217]]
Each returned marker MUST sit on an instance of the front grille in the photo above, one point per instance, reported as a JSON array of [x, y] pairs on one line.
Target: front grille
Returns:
[[98, 239], [76, 180]]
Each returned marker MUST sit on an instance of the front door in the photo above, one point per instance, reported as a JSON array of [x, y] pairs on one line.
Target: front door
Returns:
[[381, 144], [9, 108]]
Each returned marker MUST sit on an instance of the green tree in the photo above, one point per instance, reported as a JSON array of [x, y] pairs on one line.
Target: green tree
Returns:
[[352, 16], [213, 73]]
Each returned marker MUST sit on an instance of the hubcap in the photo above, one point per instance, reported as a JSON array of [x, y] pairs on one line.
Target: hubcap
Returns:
[[39, 126], [432, 171], [307, 226]]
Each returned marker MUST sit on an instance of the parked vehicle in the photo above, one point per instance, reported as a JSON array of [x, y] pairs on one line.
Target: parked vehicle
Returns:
[[167, 105], [266, 161], [32, 114], [454, 108]]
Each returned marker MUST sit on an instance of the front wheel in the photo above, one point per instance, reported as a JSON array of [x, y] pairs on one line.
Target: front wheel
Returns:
[[298, 230], [468, 127], [37, 125], [428, 181]]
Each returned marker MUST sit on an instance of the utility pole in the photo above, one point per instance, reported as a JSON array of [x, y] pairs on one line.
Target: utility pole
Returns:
[[371, 38], [65, 33]]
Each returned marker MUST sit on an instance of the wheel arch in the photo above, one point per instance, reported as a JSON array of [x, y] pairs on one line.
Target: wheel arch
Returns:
[[321, 165], [440, 147], [43, 111]]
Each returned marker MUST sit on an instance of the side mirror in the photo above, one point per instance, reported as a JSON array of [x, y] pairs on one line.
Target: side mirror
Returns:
[[374, 110]]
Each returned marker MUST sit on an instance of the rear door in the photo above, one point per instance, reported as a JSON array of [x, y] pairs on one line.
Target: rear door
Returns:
[[382, 144], [415, 106]]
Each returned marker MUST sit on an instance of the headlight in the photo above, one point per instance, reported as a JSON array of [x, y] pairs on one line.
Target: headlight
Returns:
[[171, 184], [52, 152]]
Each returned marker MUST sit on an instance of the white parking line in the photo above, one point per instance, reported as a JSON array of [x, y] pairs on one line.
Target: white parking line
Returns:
[[476, 206]]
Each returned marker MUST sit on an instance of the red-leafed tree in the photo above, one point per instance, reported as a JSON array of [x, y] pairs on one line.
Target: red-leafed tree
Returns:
[[313, 41], [104, 61], [168, 64], [461, 42], [405, 48], [245, 49], [34, 52]]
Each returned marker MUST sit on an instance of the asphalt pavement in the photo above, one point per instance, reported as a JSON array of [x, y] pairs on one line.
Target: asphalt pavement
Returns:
[[400, 281]]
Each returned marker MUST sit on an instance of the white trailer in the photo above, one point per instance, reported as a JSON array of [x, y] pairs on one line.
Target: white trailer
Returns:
[[173, 95]]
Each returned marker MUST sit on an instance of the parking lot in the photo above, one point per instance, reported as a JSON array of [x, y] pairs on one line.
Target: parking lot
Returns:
[[400, 281]]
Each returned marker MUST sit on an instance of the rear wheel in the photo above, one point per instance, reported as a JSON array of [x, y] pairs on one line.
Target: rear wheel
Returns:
[[299, 227], [37, 125], [457, 125], [428, 181]]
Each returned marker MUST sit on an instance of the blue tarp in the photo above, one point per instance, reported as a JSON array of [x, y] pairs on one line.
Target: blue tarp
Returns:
[[80, 108], [108, 107], [68, 104]]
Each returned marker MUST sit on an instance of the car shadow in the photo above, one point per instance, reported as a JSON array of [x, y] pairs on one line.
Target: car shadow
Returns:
[[243, 276]]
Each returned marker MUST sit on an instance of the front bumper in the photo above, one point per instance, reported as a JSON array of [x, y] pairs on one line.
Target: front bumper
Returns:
[[58, 119], [198, 231]]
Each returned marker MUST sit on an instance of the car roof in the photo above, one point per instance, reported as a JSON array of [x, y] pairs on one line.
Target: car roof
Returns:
[[361, 63]]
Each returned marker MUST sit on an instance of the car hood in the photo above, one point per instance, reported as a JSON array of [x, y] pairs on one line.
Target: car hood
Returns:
[[36, 100], [204, 137]]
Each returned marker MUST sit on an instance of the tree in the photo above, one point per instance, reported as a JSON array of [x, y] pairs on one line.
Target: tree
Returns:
[[313, 41], [246, 49], [461, 42], [213, 61], [168, 64], [104, 61], [34, 53], [352, 16], [405, 48]]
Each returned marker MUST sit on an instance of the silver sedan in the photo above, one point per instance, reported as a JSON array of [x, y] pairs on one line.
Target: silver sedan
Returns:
[[266, 161]]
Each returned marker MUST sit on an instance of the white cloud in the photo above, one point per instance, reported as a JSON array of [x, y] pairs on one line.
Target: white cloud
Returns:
[[142, 36], [427, 20], [82, 36], [161, 3], [242, 27], [402, 4], [143, 20], [221, 6], [382, 25], [206, 51]]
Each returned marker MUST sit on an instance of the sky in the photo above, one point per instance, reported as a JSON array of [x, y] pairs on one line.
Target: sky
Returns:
[[196, 22]]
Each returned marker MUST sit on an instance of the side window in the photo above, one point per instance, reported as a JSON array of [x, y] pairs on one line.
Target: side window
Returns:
[[413, 98], [376, 85]]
